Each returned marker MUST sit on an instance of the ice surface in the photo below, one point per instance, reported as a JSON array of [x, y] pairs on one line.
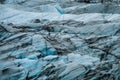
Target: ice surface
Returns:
[[59, 40]]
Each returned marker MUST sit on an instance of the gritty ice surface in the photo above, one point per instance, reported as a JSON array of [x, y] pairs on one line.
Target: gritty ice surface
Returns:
[[59, 40]]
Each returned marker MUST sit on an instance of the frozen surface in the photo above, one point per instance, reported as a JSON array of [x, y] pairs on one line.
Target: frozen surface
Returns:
[[59, 40]]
